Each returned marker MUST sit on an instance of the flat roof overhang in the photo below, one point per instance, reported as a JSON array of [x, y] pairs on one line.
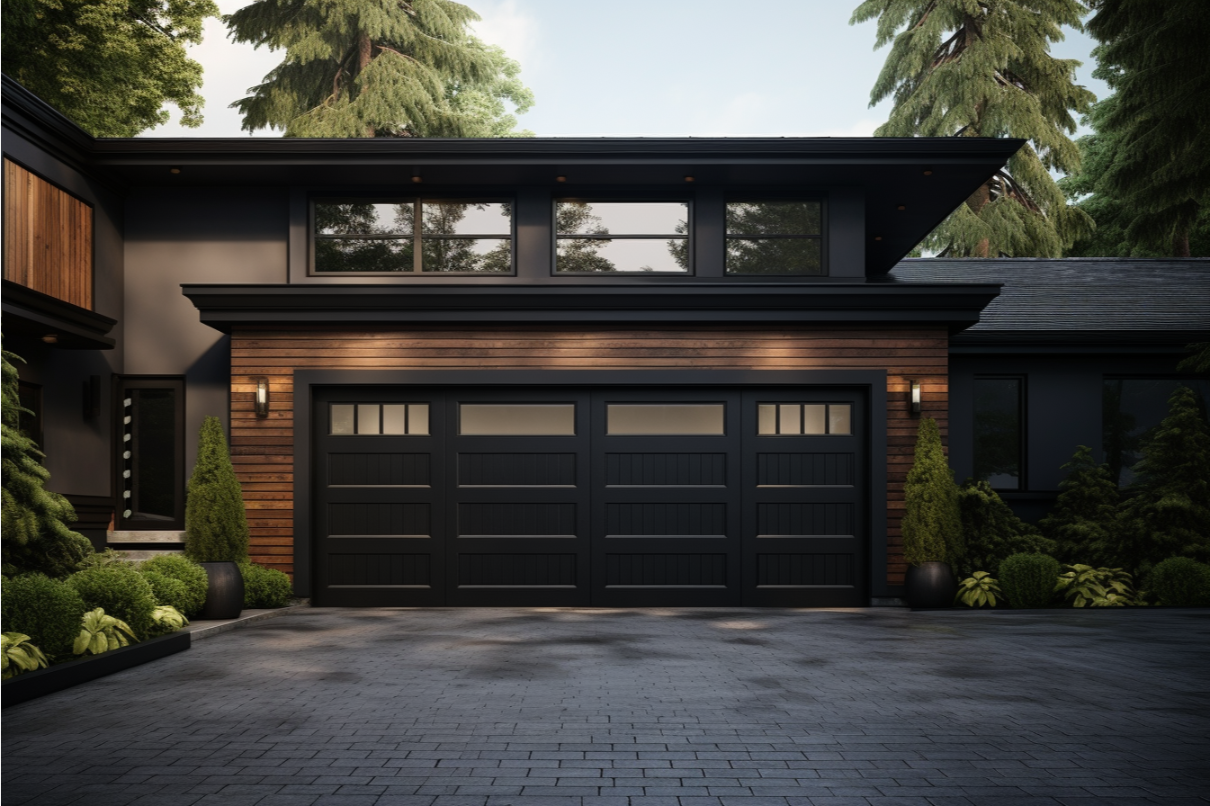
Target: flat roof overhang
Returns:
[[37, 315], [227, 307]]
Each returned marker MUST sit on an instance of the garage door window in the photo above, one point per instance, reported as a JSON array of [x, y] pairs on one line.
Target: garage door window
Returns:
[[665, 419], [517, 420], [804, 419], [374, 419]]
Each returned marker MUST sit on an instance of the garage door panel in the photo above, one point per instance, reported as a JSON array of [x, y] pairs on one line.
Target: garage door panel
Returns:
[[517, 469], [789, 468], [801, 518], [507, 519], [662, 518], [665, 469], [385, 468]]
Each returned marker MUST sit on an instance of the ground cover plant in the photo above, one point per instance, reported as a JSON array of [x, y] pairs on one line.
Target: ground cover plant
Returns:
[[977, 590], [1085, 586]]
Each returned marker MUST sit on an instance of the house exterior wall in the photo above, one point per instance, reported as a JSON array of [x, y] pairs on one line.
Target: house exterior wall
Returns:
[[263, 449]]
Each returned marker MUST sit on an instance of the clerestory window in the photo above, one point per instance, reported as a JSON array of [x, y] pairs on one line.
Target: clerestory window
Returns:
[[775, 237], [613, 237]]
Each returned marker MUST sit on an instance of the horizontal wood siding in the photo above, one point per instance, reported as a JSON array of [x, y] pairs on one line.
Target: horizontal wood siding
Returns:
[[47, 238], [263, 449]]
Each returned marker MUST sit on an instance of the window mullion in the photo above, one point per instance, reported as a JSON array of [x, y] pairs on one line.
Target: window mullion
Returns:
[[417, 251]]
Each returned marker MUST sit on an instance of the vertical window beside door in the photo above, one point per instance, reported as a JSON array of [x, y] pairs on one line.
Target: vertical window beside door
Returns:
[[151, 453], [999, 432]]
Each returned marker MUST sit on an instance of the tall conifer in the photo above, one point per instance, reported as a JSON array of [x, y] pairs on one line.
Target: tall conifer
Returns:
[[932, 526], [376, 68], [958, 68], [1085, 516]]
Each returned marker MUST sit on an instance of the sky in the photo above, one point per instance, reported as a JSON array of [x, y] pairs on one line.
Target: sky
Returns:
[[650, 68]]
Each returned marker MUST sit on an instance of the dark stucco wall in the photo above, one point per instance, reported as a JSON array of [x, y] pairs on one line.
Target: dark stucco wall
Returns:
[[77, 451], [235, 235]]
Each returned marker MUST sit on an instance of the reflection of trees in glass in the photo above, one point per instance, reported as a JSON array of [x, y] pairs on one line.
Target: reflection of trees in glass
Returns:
[[1117, 438], [580, 254], [773, 238], [453, 254], [679, 247], [1132, 410], [997, 431]]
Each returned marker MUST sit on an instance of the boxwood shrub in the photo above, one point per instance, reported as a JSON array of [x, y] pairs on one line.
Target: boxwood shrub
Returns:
[[186, 571], [47, 610], [121, 591], [1028, 580], [1180, 582], [168, 591], [265, 587]]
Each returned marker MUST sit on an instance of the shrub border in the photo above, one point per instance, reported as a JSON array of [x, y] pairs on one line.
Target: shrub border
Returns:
[[40, 682]]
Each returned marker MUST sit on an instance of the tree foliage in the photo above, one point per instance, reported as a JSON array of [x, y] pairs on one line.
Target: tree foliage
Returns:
[[216, 526], [992, 532], [35, 529], [377, 68], [1155, 130], [961, 68], [1085, 515], [109, 65], [932, 527]]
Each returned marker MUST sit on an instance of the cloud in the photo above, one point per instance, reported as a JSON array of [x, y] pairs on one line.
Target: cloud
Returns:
[[504, 25]]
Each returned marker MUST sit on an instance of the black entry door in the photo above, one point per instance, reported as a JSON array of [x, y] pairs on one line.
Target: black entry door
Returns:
[[666, 498], [517, 498]]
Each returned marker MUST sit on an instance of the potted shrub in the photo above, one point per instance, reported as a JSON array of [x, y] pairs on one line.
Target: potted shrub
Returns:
[[932, 527], [216, 528]]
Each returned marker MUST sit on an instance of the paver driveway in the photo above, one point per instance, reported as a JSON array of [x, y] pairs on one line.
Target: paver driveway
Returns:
[[606, 708]]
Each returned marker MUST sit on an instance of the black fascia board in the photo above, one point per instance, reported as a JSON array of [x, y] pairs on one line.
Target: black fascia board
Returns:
[[32, 313], [225, 307], [1074, 342]]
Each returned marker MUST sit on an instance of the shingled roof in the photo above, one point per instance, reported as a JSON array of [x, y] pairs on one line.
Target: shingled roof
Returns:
[[1079, 301]]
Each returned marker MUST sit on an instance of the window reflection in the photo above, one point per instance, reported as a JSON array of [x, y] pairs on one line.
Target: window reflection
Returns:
[[607, 237], [1132, 410], [998, 433], [774, 237]]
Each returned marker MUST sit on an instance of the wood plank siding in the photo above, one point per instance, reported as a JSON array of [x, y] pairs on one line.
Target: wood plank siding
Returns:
[[263, 449], [47, 238]]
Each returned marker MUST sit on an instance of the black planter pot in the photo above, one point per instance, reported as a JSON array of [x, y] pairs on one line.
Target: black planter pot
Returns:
[[930, 585], [225, 595]]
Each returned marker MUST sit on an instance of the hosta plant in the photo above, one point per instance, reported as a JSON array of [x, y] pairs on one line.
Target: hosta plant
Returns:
[[1085, 586], [18, 655], [169, 618], [977, 590], [101, 633]]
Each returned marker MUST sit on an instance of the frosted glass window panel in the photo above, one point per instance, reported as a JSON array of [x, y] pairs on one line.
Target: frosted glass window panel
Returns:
[[766, 419], [622, 218], [665, 419], [466, 218], [814, 419], [342, 418], [517, 419], [418, 419], [623, 255], [475, 255], [840, 419], [789, 419], [367, 419], [394, 419], [364, 218]]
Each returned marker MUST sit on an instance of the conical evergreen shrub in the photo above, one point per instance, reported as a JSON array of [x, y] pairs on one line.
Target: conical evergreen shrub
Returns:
[[992, 531], [1085, 516], [34, 520], [216, 527], [1169, 514], [932, 528]]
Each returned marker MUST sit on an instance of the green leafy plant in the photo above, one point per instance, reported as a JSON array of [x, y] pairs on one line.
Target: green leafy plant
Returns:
[[107, 557], [992, 530], [977, 590], [185, 571], [1180, 582], [167, 591], [17, 655], [47, 610], [1028, 580], [121, 591], [216, 526], [1085, 586], [100, 633], [265, 587], [168, 618], [1085, 515], [932, 528]]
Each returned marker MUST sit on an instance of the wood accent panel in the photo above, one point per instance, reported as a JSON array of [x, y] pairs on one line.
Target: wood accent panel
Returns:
[[263, 450], [47, 237]]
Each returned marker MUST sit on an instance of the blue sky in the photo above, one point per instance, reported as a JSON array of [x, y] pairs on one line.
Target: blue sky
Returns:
[[655, 68]]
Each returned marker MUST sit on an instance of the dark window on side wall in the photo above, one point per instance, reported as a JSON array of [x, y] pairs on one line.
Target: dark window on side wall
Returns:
[[151, 456], [999, 432], [413, 236], [775, 237], [1132, 410], [612, 237]]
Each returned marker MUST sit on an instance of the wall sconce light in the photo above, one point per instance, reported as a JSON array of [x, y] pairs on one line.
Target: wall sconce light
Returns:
[[688, 178], [914, 396], [560, 178], [417, 179], [262, 397], [50, 338]]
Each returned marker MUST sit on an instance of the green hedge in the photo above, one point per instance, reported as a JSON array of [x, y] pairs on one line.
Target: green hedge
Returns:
[[265, 587], [1028, 580], [122, 592], [1180, 582], [168, 591], [47, 610], [185, 571]]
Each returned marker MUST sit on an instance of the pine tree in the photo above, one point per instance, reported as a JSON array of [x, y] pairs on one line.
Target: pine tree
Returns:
[[965, 69], [1154, 55], [1085, 516], [377, 68], [992, 531], [932, 527], [35, 532], [1169, 515], [216, 527]]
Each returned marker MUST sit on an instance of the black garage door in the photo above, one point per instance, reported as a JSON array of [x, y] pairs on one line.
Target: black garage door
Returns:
[[607, 497]]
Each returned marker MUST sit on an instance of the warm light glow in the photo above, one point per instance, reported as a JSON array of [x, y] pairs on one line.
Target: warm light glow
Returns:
[[902, 207], [688, 178], [174, 170], [915, 396], [560, 178], [417, 179], [50, 338], [262, 397]]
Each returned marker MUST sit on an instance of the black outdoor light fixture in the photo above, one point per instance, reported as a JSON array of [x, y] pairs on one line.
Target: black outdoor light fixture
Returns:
[[262, 397], [914, 396]]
